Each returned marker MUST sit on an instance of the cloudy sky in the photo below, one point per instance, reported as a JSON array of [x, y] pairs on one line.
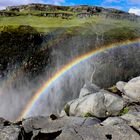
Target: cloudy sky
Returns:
[[132, 6]]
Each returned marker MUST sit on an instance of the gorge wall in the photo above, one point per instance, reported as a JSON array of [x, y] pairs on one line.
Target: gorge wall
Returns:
[[28, 58]]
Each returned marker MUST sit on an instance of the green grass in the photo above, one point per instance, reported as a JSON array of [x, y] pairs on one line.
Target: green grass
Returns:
[[39, 12], [86, 115], [42, 24], [46, 24], [66, 109]]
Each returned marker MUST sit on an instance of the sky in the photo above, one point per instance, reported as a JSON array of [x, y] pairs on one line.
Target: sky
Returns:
[[131, 6]]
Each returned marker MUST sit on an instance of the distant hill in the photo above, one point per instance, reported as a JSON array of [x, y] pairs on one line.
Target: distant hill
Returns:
[[65, 12]]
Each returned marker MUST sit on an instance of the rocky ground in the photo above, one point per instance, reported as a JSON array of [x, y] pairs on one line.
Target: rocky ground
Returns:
[[99, 114]]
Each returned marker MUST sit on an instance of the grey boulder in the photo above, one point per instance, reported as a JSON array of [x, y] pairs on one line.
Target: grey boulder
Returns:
[[132, 89], [131, 119], [98, 132], [88, 88], [120, 85], [46, 128], [11, 133], [113, 121], [49, 125], [117, 132], [101, 104]]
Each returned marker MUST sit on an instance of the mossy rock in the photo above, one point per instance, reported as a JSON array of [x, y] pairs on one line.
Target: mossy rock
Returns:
[[19, 44], [120, 34], [124, 111], [86, 115], [113, 89], [22, 29], [67, 109]]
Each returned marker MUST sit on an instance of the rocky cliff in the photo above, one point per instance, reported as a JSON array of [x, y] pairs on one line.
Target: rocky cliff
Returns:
[[33, 52], [21, 47]]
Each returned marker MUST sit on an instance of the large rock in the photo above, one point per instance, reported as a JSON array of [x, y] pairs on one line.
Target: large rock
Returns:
[[91, 104], [80, 133], [100, 104], [4, 122], [11, 133], [50, 128], [114, 121], [132, 119], [50, 125], [134, 108], [117, 132], [132, 89], [69, 134], [98, 132], [120, 85], [88, 88]]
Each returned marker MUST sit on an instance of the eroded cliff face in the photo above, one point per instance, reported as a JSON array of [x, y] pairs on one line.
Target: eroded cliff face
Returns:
[[34, 53], [77, 43], [20, 48]]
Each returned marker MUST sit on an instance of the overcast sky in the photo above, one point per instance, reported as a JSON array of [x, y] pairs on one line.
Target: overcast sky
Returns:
[[132, 6]]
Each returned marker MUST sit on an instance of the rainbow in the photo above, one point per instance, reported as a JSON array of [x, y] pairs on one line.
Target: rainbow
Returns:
[[32, 103]]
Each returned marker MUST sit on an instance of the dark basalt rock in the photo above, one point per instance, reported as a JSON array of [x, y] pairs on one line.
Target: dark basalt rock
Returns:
[[46, 136], [53, 117], [11, 133], [20, 48], [4, 122]]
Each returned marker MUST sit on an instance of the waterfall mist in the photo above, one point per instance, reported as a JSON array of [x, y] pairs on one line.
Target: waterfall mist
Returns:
[[111, 66]]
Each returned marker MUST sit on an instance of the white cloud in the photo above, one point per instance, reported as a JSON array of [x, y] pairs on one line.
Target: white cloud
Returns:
[[134, 1], [110, 1], [2, 7], [135, 11], [127, 1], [5, 3], [56, 2]]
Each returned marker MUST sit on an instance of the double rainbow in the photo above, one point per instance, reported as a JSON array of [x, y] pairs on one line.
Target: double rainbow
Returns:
[[32, 103]]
